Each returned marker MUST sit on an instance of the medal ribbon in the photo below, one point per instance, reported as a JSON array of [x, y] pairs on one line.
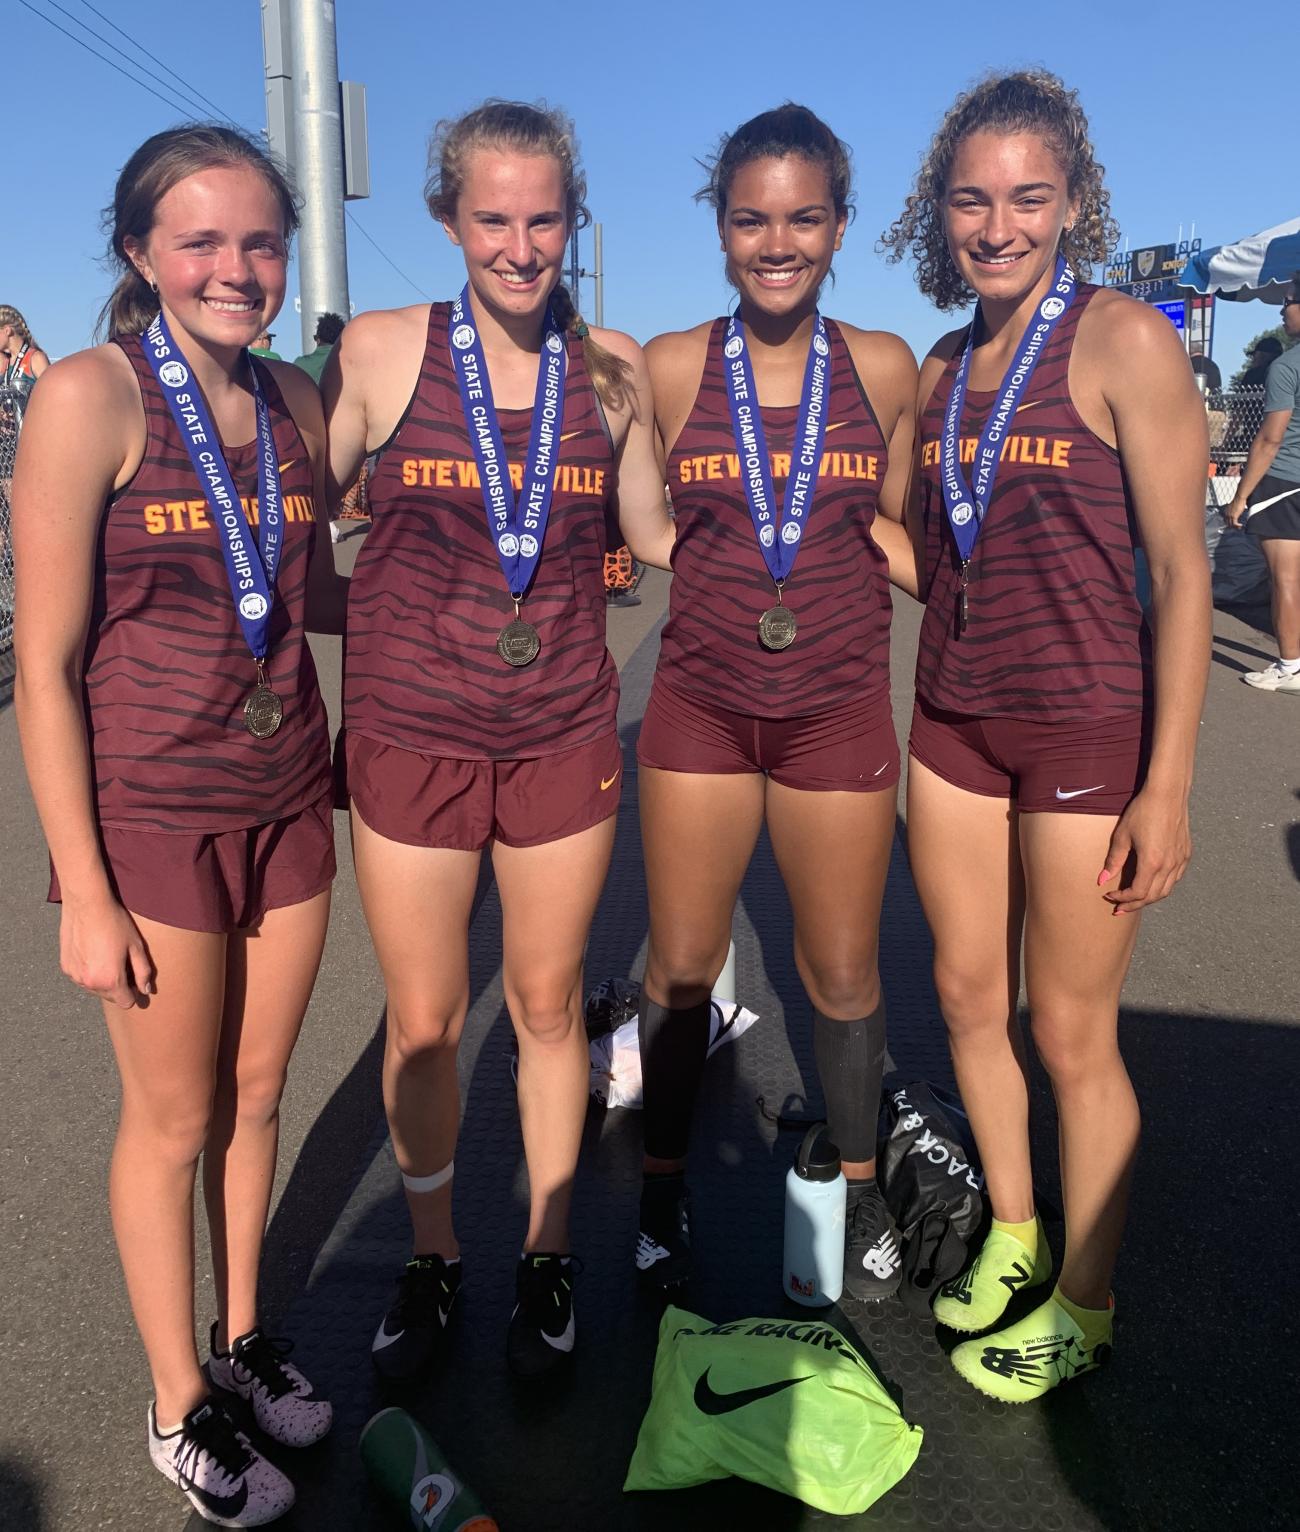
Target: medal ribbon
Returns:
[[14, 371], [968, 505], [517, 528], [805, 458], [252, 569]]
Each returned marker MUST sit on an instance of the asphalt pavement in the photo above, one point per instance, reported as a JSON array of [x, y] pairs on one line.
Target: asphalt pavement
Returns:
[[1210, 1010]]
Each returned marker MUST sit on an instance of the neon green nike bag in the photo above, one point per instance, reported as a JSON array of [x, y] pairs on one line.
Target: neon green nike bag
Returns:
[[786, 1403]]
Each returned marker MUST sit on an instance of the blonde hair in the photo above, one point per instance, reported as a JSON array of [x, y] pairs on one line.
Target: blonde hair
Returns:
[[1028, 101], [516, 127], [11, 317], [156, 166]]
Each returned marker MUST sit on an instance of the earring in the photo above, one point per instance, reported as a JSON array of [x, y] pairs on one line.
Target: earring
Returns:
[[153, 288]]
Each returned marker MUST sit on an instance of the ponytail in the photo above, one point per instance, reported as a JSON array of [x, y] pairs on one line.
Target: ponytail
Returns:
[[130, 309], [609, 373]]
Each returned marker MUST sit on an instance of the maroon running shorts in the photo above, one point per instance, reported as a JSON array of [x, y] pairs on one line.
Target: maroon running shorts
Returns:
[[853, 749], [1058, 768], [429, 800], [224, 882]]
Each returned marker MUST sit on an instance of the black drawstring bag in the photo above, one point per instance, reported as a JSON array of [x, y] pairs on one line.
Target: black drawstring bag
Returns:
[[929, 1171]]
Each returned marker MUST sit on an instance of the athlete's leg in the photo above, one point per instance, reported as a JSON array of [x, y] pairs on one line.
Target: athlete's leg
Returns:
[[698, 832], [1077, 953], [966, 865], [1283, 555], [417, 903], [270, 971], [548, 898], [166, 1056], [833, 851]]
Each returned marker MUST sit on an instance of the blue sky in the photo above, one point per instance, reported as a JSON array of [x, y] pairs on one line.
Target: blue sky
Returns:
[[1192, 118]]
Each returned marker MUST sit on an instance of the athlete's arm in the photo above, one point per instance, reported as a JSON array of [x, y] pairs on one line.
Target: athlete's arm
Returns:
[[642, 509], [1262, 452], [1163, 441], [327, 590], [348, 369], [887, 368], [58, 498], [40, 362]]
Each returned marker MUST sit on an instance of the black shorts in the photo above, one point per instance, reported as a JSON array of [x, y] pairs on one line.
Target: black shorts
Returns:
[[1280, 517]]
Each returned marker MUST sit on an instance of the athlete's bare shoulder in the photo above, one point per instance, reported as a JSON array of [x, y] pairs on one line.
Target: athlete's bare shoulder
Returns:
[[1114, 320], [676, 361], [101, 375], [300, 394], [373, 335], [98, 389], [936, 359], [885, 364], [619, 344]]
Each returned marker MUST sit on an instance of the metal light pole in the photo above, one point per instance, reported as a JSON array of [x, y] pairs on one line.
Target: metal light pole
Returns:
[[318, 147]]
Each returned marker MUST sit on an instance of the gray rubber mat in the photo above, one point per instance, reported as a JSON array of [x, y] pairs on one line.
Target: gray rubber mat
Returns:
[[1185, 1430]]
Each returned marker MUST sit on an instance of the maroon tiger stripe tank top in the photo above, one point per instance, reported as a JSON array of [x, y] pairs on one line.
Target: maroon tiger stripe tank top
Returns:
[[838, 591], [1054, 629], [428, 598], [166, 667]]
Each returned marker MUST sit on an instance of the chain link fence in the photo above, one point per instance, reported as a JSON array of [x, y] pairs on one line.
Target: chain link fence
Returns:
[[12, 401], [1240, 572]]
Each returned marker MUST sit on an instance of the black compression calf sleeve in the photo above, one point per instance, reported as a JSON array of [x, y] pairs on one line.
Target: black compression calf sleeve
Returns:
[[674, 1044], [851, 1061]]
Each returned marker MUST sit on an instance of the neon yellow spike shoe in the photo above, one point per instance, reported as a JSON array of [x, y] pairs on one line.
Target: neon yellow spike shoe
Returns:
[[979, 1297], [1055, 1343]]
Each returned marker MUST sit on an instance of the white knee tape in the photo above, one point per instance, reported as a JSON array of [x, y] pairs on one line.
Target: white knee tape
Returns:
[[429, 1183]]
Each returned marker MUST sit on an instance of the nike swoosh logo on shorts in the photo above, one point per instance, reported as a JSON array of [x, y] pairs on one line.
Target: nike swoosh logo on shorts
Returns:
[[605, 786], [709, 1402], [882, 770], [1077, 792]]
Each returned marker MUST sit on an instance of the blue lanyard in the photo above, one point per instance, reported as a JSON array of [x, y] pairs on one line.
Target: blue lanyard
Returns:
[[251, 568], [805, 459], [517, 528], [968, 505]]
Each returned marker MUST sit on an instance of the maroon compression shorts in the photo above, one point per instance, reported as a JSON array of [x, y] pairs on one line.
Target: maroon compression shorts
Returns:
[[425, 800], [1057, 768], [224, 882], [853, 749]]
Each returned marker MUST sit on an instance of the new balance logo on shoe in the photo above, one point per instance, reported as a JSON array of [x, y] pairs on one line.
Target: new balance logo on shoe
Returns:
[[648, 1251], [1016, 1277], [884, 1258]]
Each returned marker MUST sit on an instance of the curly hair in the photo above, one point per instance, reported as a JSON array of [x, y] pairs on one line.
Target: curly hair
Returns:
[[521, 128], [1029, 101], [11, 317], [786, 129]]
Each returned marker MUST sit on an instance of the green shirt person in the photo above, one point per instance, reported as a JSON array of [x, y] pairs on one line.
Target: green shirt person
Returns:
[[262, 347], [328, 329]]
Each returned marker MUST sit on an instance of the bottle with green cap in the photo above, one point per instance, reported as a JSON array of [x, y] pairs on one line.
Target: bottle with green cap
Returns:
[[414, 1477]]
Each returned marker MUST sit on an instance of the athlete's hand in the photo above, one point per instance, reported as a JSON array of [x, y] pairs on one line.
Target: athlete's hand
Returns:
[[1235, 510], [1150, 847], [102, 951]]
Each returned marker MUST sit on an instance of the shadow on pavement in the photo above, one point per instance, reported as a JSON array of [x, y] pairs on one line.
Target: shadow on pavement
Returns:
[[20, 1499]]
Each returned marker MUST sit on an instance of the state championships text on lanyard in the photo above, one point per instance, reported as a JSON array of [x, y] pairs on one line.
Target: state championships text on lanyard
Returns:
[[966, 505], [777, 626], [252, 568], [517, 527]]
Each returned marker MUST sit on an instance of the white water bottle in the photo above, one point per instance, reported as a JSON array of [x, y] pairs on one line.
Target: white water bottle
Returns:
[[815, 1193]]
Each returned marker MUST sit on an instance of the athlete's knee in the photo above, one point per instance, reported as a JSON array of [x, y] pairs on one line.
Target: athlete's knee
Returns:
[[1074, 1041], [251, 1099], [973, 999], [545, 1020], [682, 972], [847, 987], [417, 1034], [177, 1130]]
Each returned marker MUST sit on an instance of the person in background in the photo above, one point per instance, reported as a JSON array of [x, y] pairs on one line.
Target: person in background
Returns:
[[1268, 501], [21, 360], [1203, 367], [328, 329], [262, 347], [1262, 356]]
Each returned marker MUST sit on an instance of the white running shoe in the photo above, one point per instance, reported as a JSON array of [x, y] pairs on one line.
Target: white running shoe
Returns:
[[285, 1405], [1274, 679], [226, 1479]]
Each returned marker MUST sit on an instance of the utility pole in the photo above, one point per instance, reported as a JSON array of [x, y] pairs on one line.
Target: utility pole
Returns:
[[577, 271], [318, 128]]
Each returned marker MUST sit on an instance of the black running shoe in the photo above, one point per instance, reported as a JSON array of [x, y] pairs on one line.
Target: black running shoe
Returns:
[[540, 1336], [873, 1257], [225, 1477], [285, 1405], [412, 1330], [663, 1245]]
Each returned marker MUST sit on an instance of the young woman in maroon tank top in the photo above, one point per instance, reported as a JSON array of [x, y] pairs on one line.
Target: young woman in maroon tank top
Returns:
[[193, 860], [1052, 746], [739, 732], [450, 749]]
